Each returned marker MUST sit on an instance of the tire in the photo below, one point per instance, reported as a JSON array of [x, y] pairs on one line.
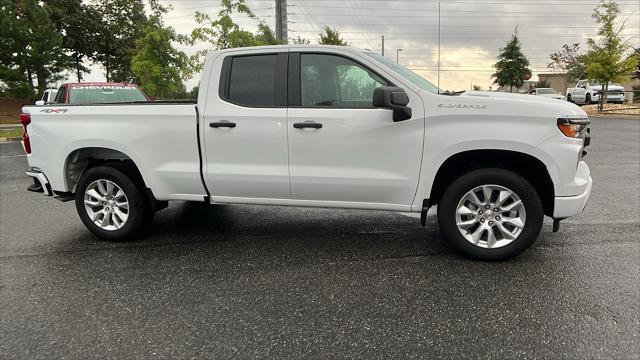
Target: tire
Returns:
[[569, 99], [510, 241], [113, 177], [587, 99]]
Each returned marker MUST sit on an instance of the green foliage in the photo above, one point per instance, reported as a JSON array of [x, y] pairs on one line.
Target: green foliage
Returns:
[[636, 55], [512, 65], [477, 88], [159, 67], [301, 41], [571, 61], [30, 47], [606, 61], [223, 33], [79, 25], [123, 22], [331, 37]]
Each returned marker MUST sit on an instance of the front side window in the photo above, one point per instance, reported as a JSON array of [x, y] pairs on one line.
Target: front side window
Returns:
[[334, 81], [252, 80]]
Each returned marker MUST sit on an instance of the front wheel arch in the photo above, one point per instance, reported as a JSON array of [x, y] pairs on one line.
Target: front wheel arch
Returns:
[[525, 165]]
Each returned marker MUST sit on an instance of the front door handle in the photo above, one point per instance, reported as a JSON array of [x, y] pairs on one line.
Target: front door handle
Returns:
[[222, 124], [309, 125]]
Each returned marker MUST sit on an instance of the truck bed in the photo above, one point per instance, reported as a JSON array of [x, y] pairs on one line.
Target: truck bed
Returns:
[[160, 137]]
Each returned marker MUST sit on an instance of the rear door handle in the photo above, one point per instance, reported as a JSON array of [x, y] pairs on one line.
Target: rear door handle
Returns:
[[222, 124], [309, 125]]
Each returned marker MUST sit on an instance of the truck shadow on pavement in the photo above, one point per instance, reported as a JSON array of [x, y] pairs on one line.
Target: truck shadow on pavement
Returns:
[[310, 232]]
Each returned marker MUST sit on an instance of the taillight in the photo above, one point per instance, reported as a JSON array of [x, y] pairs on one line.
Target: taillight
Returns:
[[25, 119]]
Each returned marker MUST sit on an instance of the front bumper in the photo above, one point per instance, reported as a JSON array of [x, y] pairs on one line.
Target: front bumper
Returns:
[[567, 206]]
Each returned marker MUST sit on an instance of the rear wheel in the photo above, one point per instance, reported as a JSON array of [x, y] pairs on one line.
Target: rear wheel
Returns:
[[490, 214], [112, 203], [587, 99]]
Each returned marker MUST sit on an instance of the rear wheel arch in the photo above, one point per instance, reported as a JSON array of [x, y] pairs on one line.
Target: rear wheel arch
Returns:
[[82, 159], [525, 165]]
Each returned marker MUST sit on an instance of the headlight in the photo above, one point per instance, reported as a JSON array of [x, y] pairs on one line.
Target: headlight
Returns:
[[572, 127]]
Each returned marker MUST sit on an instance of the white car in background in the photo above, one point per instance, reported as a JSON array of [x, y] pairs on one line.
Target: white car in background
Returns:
[[588, 92], [48, 97], [547, 92]]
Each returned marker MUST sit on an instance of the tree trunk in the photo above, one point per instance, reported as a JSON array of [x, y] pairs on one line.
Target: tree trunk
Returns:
[[78, 71], [106, 67], [30, 80], [510, 88], [42, 81]]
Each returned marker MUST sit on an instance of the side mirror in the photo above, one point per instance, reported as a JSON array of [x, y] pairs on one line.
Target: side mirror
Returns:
[[393, 98], [40, 102]]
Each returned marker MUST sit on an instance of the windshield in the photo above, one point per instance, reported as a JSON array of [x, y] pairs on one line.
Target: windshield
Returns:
[[546, 91], [406, 73], [95, 94]]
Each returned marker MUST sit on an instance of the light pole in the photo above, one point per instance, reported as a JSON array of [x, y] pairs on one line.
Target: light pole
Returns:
[[398, 55]]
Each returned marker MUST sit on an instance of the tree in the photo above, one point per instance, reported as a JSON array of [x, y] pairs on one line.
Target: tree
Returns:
[[30, 46], [606, 61], [512, 65], [158, 65], [571, 61], [331, 37], [123, 22], [79, 25], [477, 88], [223, 33], [301, 40], [636, 73]]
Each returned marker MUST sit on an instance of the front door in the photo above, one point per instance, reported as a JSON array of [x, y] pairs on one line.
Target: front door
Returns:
[[341, 148], [244, 129]]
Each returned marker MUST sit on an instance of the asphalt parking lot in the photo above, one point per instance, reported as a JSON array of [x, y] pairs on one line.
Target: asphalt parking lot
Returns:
[[275, 282]]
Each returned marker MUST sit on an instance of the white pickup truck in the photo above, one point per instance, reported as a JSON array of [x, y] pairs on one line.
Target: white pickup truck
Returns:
[[320, 126], [588, 92]]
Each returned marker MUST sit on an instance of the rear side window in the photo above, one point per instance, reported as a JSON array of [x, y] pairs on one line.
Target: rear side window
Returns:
[[252, 81]]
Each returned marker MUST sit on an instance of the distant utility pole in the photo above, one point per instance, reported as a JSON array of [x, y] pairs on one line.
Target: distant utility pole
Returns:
[[382, 45], [281, 21]]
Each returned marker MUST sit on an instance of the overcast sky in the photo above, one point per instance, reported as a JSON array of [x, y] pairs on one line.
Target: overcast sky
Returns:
[[472, 31]]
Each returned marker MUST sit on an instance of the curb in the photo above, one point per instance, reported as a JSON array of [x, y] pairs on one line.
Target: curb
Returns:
[[10, 126], [615, 116], [12, 139]]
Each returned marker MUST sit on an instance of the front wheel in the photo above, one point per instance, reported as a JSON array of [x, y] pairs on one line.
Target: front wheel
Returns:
[[569, 99], [111, 202], [490, 214], [587, 100]]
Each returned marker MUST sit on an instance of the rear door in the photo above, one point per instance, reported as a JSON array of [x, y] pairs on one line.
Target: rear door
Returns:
[[244, 128], [341, 148]]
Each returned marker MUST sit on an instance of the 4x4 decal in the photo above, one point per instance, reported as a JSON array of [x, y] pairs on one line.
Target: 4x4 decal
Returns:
[[53, 111]]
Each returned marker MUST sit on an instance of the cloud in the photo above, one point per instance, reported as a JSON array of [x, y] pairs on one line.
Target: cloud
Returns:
[[471, 31]]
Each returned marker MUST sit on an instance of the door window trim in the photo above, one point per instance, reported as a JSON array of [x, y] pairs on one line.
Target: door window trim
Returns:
[[280, 90], [295, 83]]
